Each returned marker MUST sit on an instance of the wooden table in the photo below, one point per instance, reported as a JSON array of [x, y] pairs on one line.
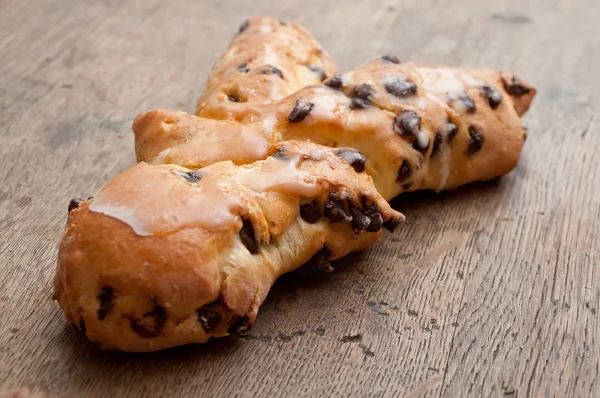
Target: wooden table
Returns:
[[492, 289]]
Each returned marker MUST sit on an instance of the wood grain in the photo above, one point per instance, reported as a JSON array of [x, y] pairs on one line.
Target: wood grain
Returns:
[[492, 289]]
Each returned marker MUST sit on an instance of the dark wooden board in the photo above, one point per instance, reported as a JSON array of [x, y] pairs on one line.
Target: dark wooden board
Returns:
[[493, 289]]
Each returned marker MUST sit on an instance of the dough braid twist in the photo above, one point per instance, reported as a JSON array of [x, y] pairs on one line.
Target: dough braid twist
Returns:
[[285, 163]]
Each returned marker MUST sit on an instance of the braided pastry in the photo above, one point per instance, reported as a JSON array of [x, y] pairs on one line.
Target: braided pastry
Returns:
[[271, 174], [165, 255], [267, 61], [419, 127]]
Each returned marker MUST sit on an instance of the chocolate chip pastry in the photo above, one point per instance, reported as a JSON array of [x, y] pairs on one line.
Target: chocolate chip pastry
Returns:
[[266, 61], [165, 255], [185, 245], [419, 127]]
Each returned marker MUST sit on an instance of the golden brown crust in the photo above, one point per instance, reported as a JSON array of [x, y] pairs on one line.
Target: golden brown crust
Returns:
[[167, 255], [164, 255], [166, 136], [267, 61], [467, 123]]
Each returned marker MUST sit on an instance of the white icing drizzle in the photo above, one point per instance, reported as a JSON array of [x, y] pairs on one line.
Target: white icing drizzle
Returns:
[[265, 29], [195, 142], [122, 213], [433, 109], [422, 139], [160, 158], [451, 83], [469, 79], [253, 141], [268, 123], [318, 154], [270, 56], [210, 143], [275, 92], [448, 83], [421, 104], [219, 205], [347, 78], [153, 200], [427, 106], [457, 104], [441, 80], [325, 105], [365, 120], [276, 174]]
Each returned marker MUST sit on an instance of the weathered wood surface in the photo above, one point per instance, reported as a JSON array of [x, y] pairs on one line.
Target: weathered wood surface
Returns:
[[493, 289]]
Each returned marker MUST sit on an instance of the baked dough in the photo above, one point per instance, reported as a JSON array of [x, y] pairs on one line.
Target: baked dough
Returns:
[[185, 245], [266, 61], [419, 127], [164, 255]]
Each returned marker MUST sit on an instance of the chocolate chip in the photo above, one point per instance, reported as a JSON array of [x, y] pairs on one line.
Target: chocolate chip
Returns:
[[392, 223], [467, 103], [74, 203], [374, 215], [107, 301], [391, 59], [233, 98], [405, 171], [437, 141], [239, 325], [300, 112], [475, 141], [407, 185], [363, 91], [192, 176], [492, 95], [358, 103], [356, 159], [310, 212], [361, 96], [399, 87], [244, 26], [243, 67], [271, 70], [247, 236], [320, 261], [282, 23], [209, 317], [335, 82], [407, 123], [515, 87], [451, 130], [151, 324], [319, 71], [360, 222], [417, 147], [334, 209], [281, 154]]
